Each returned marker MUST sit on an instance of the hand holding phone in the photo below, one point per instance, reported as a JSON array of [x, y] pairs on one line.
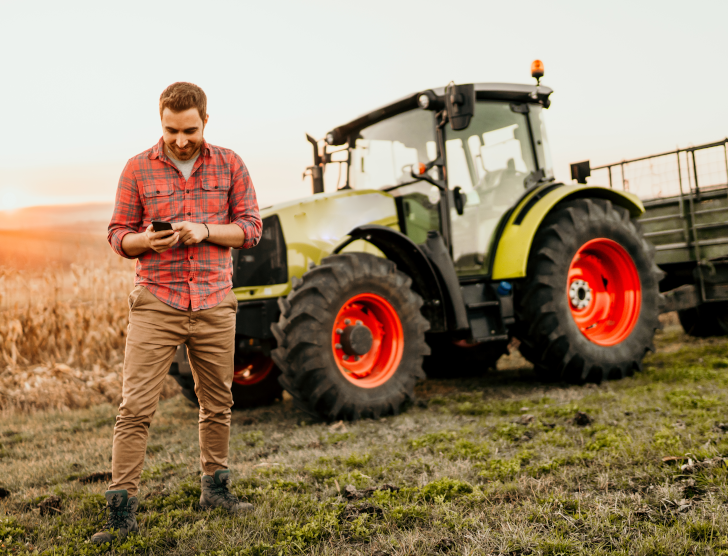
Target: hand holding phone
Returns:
[[161, 244]]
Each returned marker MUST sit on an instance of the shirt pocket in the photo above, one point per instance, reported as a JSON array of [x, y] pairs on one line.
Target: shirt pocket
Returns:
[[159, 200], [216, 199]]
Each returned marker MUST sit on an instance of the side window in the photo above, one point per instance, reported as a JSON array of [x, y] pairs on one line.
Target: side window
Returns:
[[490, 161]]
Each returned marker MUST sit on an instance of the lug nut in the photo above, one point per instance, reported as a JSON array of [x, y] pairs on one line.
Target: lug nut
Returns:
[[338, 346], [347, 321], [356, 358], [339, 331], [345, 358], [359, 322]]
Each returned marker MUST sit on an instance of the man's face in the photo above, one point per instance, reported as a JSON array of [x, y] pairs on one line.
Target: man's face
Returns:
[[183, 132]]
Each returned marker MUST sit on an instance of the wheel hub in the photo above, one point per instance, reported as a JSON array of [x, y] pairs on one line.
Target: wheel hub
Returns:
[[580, 294], [367, 340], [356, 340]]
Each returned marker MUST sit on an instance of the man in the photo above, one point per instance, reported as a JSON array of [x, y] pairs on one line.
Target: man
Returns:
[[182, 294]]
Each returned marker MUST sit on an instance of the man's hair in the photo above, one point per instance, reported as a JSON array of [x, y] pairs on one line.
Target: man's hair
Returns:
[[182, 96]]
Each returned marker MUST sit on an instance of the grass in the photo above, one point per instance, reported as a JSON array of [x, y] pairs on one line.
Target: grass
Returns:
[[493, 465]]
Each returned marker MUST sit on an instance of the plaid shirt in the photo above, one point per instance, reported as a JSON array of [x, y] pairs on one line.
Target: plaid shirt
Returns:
[[219, 191]]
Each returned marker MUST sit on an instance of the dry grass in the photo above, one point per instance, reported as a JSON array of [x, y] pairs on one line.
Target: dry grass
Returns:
[[63, 318]]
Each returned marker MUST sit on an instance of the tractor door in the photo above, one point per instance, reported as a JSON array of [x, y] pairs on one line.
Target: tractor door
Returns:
[[490, 161]]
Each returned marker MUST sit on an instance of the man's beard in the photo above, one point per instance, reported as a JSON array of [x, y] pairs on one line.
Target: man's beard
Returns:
[[190, 150]]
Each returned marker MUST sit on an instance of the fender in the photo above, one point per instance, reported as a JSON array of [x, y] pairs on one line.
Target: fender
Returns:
[[444, 308], [514, 247]]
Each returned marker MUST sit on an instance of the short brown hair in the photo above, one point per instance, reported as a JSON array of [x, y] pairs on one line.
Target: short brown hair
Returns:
[[182, 96]]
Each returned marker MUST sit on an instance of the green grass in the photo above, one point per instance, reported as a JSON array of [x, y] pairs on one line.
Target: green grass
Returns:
[[494, 465]]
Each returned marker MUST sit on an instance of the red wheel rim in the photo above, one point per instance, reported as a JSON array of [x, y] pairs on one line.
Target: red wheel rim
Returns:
[[253, 369], [376, 365], [604, 292]]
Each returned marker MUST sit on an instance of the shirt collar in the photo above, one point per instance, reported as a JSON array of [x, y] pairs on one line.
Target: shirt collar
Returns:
[[158, 150]]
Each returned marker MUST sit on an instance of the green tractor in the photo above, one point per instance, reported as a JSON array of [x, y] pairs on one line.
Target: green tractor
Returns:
[[445, 236]]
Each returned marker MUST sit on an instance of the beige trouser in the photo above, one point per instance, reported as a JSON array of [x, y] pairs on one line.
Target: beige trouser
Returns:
[[155, 330]]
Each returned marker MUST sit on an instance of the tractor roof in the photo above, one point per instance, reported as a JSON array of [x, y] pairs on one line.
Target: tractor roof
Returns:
[[513, 92]]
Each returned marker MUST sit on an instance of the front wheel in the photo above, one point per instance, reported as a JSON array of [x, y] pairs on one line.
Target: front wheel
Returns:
[[589, 307], [351, 338]]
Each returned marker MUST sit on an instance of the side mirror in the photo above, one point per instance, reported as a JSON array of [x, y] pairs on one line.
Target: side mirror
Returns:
[[580, 171], [460, 104], [460, 199]]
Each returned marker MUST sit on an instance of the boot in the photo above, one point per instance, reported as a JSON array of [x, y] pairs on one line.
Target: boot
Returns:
[[215, 493], [121, 520]]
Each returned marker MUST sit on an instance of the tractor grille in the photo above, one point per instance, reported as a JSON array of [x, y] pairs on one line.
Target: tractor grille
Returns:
[[266, 263]]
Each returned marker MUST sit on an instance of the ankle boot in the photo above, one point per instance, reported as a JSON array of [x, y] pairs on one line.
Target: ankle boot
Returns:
[[216, 493], [121, 519]]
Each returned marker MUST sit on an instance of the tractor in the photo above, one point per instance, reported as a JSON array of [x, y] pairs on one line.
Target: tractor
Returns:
[[444, 236]]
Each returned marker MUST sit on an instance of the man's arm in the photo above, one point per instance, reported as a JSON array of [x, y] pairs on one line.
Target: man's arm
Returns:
[[136, 244], [227, 235]]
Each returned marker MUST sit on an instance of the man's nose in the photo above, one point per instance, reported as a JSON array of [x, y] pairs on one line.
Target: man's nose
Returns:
[[181, 141]]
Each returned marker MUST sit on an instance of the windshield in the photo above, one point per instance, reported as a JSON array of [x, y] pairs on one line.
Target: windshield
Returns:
[[384, 152]]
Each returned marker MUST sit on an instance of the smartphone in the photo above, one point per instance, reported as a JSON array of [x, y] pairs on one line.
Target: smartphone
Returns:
[[160, 226]]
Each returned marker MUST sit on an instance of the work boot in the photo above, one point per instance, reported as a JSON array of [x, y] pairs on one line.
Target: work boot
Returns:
[[122, 517], [216, 493]]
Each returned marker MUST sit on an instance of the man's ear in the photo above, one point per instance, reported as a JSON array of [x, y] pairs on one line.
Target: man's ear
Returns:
[[207, 117]]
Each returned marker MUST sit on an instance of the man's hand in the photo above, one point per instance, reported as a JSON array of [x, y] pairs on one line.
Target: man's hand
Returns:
[[190, 233], [161, 241]]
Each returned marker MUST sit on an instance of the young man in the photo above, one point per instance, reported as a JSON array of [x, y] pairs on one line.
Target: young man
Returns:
[[182, 294]]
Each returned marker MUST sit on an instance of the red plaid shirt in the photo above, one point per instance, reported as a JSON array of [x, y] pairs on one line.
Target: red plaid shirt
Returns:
[[219, 191]]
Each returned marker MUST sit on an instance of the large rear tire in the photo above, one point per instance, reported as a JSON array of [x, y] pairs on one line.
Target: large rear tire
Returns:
[[709, 319], [589, 307], [351, 338]]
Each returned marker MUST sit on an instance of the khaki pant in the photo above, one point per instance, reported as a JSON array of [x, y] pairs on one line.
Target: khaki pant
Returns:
[[155, 330]]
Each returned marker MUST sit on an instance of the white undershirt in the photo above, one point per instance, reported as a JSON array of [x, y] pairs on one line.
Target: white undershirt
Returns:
[[184, 166]]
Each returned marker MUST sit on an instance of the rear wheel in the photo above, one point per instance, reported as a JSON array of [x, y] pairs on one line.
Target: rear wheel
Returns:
[[351, 338], [590, 304], [709, 319]]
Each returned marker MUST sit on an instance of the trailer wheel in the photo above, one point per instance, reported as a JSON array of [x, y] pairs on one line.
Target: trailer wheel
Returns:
[[459, 359], [589, 307], [255, 382], [351, 338], [709, 319]]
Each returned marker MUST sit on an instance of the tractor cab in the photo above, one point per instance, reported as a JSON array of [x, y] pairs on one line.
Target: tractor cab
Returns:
[[457, 159]]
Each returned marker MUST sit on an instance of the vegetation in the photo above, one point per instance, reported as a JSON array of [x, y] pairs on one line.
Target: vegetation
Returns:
[[63, 317], [496, 465]]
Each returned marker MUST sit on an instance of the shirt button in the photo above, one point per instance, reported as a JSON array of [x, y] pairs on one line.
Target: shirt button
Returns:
[[190, 278], [191, 257], [187, 191], [189, 213], [157, 191]]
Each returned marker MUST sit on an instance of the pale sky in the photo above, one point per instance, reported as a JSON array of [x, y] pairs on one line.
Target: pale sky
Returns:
[[81, 80]]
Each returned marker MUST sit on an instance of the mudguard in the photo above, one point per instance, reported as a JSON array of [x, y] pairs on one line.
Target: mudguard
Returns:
[[514, 245]]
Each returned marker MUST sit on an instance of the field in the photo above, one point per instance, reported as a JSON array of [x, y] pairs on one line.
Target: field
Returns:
[[501, 464], [63, 317], [496, 465]]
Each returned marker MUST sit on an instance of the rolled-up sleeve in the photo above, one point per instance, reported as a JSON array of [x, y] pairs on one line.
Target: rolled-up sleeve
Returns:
[[128, 211], [244, 204]]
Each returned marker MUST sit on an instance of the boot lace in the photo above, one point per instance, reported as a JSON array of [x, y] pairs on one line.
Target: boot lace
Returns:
[[223, 492], [117, 518]]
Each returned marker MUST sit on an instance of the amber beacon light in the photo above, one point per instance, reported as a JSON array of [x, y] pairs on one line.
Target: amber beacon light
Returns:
[[537, 71]]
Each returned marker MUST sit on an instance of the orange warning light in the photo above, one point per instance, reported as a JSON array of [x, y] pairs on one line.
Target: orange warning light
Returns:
[[537, 69]]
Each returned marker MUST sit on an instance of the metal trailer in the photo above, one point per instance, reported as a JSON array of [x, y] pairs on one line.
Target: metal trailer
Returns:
[[685, 195]]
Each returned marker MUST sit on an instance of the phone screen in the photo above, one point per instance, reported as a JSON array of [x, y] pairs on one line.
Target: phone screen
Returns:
[[160, 226]]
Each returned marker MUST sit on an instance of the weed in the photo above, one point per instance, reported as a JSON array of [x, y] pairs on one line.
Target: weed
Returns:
[[445, 489]]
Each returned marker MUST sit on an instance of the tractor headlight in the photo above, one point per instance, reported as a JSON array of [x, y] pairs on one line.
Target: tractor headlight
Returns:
[[423, 101]]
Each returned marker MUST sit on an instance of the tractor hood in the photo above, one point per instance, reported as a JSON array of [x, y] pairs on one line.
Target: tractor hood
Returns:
[[299, 233]]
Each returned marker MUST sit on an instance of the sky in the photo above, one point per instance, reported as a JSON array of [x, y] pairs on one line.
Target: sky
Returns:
[[81, 80]]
